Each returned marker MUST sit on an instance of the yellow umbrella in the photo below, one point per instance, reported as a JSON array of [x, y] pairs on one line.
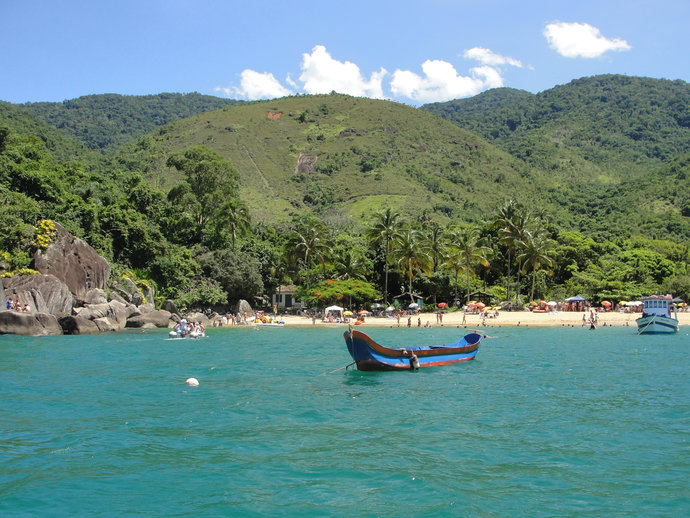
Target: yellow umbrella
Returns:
[[348, 313]]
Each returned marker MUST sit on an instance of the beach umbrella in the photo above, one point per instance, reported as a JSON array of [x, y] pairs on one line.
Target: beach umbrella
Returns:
[[364, 312], [390, 308], [442, 305], [552, 303], [413, 305], [605, 303], [481, 305], [623, 302], [348, 313]]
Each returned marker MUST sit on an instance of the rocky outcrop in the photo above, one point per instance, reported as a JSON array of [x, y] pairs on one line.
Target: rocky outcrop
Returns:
[[108, 317], [29, 324], [129, 292], [159, 318], [75, 325], [74, 262], [170, 305], [43, 293]]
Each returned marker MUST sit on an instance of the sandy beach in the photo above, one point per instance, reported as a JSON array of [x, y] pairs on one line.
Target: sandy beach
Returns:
[[506, 318]]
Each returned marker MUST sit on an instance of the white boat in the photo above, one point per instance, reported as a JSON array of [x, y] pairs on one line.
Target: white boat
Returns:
[[656, 315]]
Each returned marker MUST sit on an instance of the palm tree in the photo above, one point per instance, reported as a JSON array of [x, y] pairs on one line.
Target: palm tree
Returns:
[[236, 215], [512, 236], [534, 253], [383, 232], [308, 242], [351, 264], [411, 255], [467, 252], [505, 221]]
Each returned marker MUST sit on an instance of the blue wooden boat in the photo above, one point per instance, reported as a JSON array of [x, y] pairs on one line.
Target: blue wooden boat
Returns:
[[370, 356]]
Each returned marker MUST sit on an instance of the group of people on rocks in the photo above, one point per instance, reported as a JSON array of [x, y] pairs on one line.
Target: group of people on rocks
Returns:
[[17, 306]]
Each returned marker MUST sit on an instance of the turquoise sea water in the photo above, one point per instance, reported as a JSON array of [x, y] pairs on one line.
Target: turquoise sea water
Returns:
[[545, 422]]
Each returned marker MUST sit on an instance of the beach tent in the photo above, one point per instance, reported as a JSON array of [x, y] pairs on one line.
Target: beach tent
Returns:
[[334, 309]]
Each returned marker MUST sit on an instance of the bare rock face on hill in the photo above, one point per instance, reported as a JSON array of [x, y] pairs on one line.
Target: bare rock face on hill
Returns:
[[74, 262]]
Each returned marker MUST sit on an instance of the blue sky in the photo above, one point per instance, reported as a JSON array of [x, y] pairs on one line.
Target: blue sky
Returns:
[[407, 51]]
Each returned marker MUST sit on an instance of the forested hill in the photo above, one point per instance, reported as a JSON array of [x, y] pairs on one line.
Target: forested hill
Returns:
[[105, 122], [625, 125]]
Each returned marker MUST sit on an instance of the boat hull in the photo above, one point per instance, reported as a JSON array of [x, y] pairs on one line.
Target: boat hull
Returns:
[[656, 324], [371, 356]]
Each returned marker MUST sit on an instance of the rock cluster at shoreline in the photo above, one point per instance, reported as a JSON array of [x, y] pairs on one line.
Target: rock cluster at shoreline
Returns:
[[73, 294]]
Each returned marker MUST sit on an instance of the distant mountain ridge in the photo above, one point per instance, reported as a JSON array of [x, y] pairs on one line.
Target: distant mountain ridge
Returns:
[[107, 121]]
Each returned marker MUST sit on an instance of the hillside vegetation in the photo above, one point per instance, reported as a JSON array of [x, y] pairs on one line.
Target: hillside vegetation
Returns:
[[335, 154], [107, 121], [601, 140], [582, 189]]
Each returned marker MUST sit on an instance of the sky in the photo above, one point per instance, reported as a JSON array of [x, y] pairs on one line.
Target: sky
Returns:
[[412, 52]]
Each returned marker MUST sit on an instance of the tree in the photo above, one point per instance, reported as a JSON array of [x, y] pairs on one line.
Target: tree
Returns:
[[385, 229], [211, 179], [411, 255], [467, 252], [535, 252], [308, 242]]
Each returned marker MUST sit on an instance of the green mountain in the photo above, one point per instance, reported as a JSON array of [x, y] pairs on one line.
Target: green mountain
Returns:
[[105, 122], [602, 143], [343, 156]]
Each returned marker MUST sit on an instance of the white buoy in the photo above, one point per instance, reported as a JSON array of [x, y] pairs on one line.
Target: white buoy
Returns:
[[192, 382]]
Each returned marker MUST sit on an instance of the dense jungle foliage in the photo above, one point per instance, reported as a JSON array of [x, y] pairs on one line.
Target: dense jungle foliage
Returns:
[[105, 122], [356, 200]]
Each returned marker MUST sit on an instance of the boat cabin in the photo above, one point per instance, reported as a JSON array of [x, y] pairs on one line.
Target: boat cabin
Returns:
[[660, 305]]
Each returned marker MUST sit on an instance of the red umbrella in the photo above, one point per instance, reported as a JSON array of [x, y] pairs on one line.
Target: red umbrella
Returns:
[[442, 305], [605, 303], [481, 305]]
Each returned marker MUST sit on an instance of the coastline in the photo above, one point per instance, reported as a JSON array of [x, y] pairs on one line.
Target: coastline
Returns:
[[506, 318]]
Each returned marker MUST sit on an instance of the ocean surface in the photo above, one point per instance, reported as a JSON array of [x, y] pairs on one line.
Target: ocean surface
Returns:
[[545, 422]]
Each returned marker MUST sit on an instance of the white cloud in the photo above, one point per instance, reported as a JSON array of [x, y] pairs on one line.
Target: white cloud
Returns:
[[489, 57], [257, 85], [441, 82], [581, 40], [322, 74]]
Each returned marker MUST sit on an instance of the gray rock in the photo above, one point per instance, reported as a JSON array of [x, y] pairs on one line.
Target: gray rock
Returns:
[[147, 308], [244, 307], [74, 262], [43, 293], [75, 325], [160, 319], [116, 313], [169, 305], [95, 296], [29, 324]]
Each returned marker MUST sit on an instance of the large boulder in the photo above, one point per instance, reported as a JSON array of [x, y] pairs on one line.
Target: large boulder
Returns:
[[29, 324], [75, 325], [109, 317], [74, 262], [126, 289], [159, 318], [43, 293], [169, 305]]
